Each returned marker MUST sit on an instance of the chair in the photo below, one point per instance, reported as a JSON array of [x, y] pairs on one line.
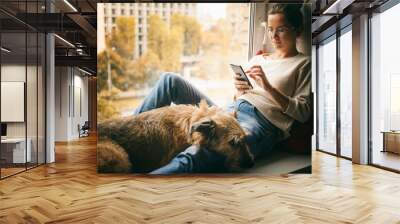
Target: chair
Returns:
[[84, 130]]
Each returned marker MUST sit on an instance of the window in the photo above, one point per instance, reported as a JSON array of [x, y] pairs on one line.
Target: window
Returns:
[[385, 84], [202, 61], [140, 49], [327, 95], [346, 93], [22, 90]]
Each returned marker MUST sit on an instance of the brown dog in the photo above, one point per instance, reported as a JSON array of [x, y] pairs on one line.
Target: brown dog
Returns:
[[147, 141]]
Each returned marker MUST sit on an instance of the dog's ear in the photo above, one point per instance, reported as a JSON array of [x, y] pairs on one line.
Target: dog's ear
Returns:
[[206, 127]]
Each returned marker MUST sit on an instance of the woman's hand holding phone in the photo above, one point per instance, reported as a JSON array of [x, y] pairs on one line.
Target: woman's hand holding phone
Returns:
[[241, 85], [256, 73]]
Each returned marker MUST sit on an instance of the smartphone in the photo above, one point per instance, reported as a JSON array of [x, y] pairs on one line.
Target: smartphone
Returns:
[[237, 69]]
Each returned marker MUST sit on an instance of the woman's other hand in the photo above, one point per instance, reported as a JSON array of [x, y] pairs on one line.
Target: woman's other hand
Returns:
[[256, 73], [241, 86]]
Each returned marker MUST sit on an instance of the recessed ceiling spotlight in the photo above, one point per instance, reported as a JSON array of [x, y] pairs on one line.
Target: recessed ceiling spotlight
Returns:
[[84, 71], [5, 50], [70, 5], [64, 40]]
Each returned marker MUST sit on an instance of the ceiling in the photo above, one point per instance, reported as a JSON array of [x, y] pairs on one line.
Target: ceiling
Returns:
[[332, 15], [76, 23]]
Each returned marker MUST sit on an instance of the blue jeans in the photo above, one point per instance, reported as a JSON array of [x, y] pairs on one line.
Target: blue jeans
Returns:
[[171, 88]]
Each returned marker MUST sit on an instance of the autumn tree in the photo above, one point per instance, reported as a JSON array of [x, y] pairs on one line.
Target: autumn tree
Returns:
[[218, 37], [156, 35], [120, 46], [172, 50], [106, 106], [149, 66], [216, 44], [165, 43], [123, 37], [101, 71], [191, 30]]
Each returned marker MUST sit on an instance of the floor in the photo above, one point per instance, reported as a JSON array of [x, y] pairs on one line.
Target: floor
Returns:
[[70, 191], [9, 170]]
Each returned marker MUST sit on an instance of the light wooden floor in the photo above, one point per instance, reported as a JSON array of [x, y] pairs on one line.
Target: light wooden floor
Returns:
[[70, 191], [10, 171]]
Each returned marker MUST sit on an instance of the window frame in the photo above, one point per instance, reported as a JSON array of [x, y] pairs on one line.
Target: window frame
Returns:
[[338, 33], [379, 10]]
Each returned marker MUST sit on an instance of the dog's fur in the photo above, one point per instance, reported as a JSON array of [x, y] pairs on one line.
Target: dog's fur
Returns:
[[151, 139]]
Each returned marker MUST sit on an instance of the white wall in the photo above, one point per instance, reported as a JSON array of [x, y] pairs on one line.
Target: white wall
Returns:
[[33, 127], [14, 73], [71, 87], [61, 103]]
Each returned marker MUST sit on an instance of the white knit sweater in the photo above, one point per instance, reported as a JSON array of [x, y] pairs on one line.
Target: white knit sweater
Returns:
[[292, 77]]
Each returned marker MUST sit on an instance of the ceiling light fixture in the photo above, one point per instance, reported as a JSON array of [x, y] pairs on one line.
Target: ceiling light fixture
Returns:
[[337, 7], [64, 40], [331, 8], [70, 5], [84, 71], [5, 50]]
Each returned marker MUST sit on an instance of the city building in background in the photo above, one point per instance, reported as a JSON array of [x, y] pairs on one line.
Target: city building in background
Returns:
[[141, 11]]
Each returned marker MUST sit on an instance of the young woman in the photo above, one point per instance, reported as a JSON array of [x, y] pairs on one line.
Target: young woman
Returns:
[[280, 96]]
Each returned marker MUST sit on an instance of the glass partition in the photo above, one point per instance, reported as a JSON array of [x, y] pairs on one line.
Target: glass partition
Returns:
[[327, 95], [31, 98], [13, 94], [22, 89], [41, 86], [345, 93], [385, 89]]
